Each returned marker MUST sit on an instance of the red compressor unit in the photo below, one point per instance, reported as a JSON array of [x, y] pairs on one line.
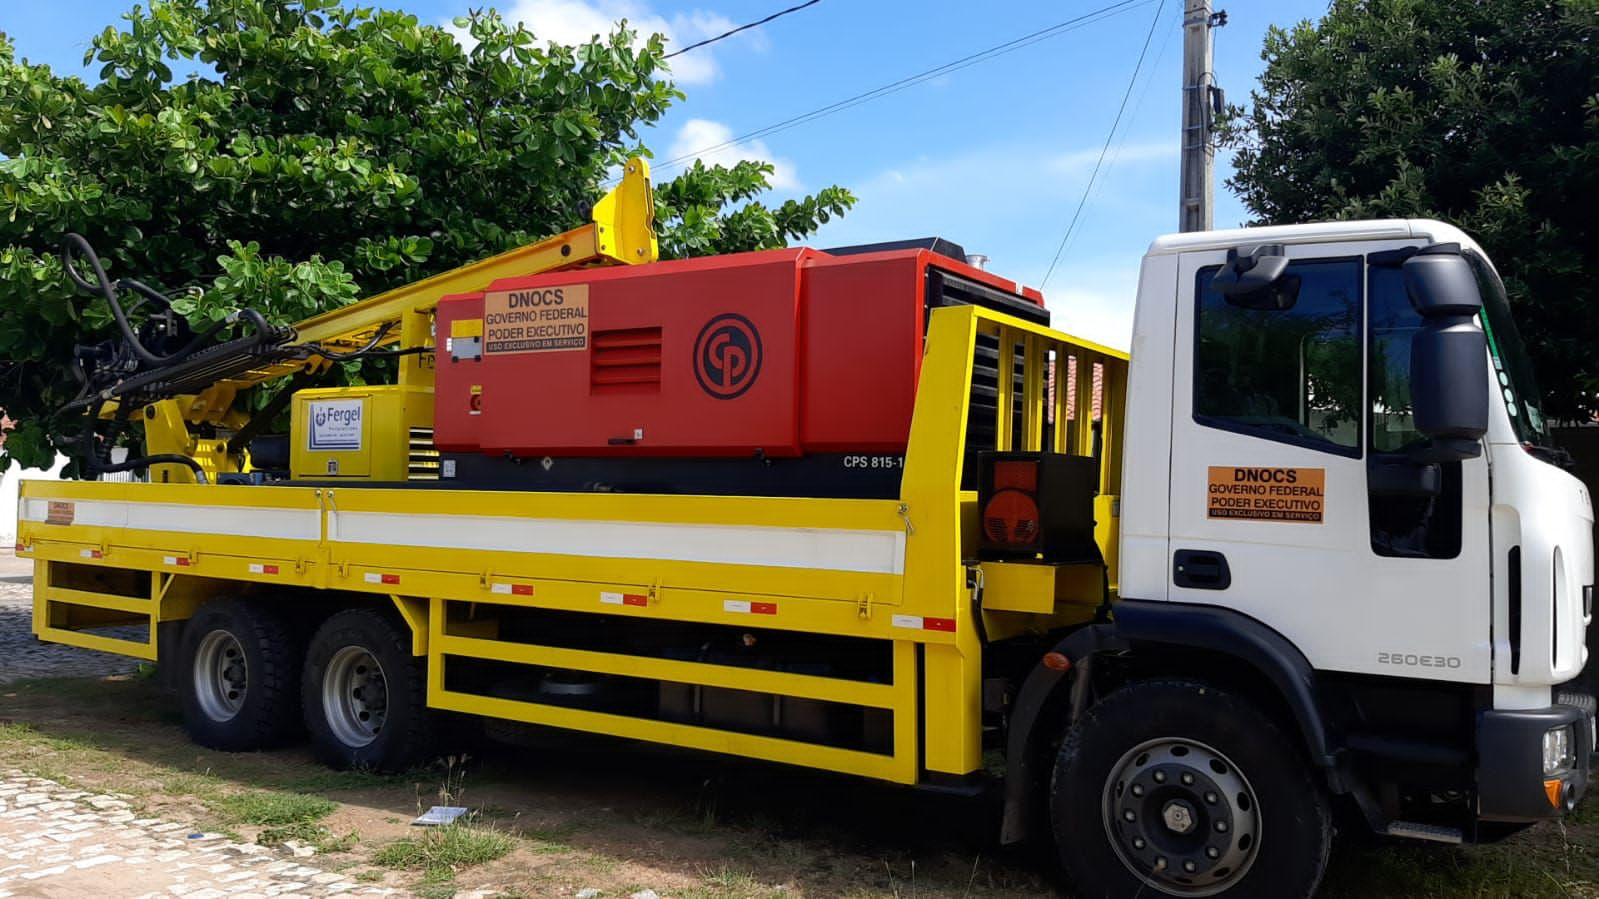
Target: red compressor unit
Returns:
[[778, 354]]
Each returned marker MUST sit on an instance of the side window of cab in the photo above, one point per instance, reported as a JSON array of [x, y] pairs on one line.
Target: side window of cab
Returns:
[[1292, 374]]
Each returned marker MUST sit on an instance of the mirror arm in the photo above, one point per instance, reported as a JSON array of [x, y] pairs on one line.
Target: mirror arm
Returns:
[[1445, 449]]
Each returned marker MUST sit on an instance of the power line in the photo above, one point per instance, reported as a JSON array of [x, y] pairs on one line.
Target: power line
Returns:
[[980, 56], [728, 34], [1137, 66], [1138, 105]]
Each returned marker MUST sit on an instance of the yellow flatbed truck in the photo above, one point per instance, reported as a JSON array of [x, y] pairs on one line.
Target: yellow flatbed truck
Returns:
[[908, 556]]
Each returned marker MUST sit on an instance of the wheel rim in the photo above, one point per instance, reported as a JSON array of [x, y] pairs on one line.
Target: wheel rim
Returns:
[[1182, 817], [221, 675], [355, 696]]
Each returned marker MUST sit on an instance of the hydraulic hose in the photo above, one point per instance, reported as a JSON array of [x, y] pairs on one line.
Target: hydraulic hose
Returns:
[[145, 290], [337, 356], [76, 244], [91, 456], [157, 459]]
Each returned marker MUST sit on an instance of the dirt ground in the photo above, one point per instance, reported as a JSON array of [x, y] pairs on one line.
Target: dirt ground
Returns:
[[621, 818]]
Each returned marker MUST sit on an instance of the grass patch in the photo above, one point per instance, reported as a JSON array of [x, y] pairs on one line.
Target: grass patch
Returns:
[[435, 889], [731, 884], [282, 817], [1422, 870], [45, 755], [273, 809], [22, 732], [441, 851], [1587, 811], [189, 783]]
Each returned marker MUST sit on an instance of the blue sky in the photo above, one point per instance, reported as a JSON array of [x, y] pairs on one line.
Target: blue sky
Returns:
[[994, 156]]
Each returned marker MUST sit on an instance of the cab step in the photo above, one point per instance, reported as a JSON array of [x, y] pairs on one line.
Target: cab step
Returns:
[[1415, 830]]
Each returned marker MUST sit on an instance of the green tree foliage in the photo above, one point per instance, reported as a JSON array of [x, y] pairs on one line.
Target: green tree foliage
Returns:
[[322, 153], [1484, 114]]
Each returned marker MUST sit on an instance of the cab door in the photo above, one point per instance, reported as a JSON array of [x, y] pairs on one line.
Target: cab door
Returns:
[[1293, 499]]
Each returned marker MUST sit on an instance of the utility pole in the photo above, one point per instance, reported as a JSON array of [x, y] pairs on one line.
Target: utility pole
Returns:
[[1199, 151]]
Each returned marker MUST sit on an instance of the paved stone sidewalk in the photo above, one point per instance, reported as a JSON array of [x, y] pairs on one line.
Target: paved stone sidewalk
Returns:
[[57, 843]]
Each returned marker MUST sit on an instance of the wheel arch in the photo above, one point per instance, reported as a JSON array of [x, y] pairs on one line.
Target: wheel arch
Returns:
[[1154, 639]]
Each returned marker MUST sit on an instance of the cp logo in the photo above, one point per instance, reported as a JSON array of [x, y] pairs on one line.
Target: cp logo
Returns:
[[727, 356]]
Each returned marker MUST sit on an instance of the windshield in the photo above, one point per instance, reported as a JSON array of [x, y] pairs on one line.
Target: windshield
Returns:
[[1511, 365]]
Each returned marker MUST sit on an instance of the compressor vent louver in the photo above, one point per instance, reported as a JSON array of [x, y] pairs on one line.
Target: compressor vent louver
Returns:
[[422, 460], [626, 360]]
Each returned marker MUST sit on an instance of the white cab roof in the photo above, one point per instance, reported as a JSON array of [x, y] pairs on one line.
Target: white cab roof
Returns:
[[1376, 229]]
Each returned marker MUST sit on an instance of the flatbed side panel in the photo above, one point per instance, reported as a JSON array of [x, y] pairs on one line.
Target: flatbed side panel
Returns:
[[61, 614], [899, 697], [829, 566]]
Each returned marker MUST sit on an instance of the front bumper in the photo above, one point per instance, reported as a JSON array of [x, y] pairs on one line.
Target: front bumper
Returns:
[[1511, 784]]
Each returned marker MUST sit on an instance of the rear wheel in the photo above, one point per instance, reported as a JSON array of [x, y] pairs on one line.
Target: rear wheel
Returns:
[[1176, 788], [238, 686], [365, 695]]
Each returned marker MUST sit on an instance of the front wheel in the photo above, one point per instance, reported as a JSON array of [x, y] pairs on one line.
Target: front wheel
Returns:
[[1180, 789], [364, 694]]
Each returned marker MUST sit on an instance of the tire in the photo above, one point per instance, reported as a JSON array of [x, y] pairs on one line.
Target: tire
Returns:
[[365, 695], [238, 678], [1254, 822]]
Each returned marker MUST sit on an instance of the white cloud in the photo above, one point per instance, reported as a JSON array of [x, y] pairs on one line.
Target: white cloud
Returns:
[[574, 22], [1081, 162], [1100, 316], [698, 134]]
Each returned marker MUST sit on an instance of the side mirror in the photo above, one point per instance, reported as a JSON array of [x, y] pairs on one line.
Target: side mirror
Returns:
[[1442, 284], [1253, 279], [1448, 358]]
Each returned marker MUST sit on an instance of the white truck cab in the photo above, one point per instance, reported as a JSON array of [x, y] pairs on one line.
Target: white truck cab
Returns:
[[1484, 582], [1365, 533]]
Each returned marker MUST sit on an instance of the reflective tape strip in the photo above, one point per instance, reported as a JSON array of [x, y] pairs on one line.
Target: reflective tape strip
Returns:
[[624, 599], [747, 607], [179, 561], [920, 623], [91, 554], [375, 578], [257, 568], [512, 589]]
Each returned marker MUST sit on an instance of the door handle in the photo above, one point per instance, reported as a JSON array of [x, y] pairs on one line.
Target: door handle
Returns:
[[1201, 569]]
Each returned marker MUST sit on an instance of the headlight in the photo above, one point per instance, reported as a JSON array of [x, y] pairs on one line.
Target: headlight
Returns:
[[1557, 743]]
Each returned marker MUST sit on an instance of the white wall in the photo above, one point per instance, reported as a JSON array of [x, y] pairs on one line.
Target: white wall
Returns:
[[9, 482]]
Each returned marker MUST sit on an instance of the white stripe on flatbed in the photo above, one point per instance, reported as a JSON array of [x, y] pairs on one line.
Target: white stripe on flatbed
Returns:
[[235, 521], [875, 552], [823, 549]]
